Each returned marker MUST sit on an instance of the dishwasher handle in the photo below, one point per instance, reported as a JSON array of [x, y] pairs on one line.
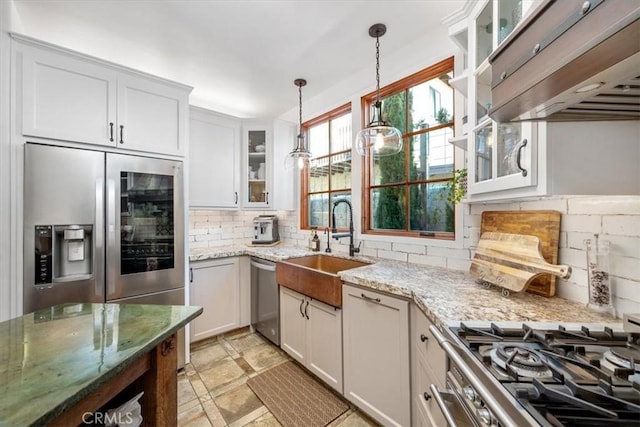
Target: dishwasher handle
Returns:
[[268, 267]]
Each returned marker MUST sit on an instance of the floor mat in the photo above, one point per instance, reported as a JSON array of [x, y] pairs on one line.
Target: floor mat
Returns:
[[295, 398]]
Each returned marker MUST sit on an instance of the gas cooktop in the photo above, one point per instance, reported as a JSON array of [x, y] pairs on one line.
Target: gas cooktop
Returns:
[[563, 375]]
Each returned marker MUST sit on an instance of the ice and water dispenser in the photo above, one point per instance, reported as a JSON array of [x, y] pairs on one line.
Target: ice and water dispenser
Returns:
[[63, 253]]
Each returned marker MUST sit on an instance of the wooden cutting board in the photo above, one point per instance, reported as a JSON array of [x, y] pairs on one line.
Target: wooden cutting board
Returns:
[[511, 261], [543, 224]]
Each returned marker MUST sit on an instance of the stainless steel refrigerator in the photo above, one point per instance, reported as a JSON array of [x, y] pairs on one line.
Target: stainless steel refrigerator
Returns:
[[101, 227]]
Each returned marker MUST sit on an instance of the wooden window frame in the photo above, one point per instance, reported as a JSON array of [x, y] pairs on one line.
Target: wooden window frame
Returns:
[[438, 69], [304, 173]]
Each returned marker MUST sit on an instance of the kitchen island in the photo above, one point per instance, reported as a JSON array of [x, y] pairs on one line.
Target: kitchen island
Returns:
[[62, 365]]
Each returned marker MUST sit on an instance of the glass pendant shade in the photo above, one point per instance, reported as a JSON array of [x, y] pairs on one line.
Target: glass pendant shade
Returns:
[[300, 155], [379, 138]]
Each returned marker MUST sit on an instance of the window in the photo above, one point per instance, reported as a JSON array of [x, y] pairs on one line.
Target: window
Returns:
[[406, 194], [328, 176]]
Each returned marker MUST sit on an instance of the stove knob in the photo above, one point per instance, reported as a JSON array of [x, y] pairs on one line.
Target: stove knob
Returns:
[[485, 416], [471, 395]]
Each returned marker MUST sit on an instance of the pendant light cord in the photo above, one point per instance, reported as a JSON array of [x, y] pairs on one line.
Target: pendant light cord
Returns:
[[300, 102], [377, 69]]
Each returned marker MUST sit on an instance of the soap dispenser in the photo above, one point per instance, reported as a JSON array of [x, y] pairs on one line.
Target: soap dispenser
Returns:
[[315, 241]]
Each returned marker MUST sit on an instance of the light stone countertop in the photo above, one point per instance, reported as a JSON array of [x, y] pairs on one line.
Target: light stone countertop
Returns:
[[445, 296]]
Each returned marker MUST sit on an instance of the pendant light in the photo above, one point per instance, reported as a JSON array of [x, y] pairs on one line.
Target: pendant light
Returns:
[[379, 138], [300, 155]]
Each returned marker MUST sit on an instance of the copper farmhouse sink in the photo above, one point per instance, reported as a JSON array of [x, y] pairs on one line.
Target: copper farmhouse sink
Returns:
[[315, 276]]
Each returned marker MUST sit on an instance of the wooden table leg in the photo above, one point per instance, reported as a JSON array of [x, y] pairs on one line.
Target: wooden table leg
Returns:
[[160, 400]]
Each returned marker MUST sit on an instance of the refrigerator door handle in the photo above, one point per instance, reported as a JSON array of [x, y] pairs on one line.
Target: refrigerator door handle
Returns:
[[111, 230], [98, 244]]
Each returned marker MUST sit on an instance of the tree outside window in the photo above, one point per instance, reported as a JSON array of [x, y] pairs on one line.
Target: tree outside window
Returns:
[[406, 194]]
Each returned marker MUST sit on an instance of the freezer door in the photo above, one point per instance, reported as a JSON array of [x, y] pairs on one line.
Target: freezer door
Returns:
[[144, 226], [63, 226]]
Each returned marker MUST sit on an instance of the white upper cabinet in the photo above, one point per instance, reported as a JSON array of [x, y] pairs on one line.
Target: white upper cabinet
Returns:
[[213, 139], [507, 161], [87, 92], [266, 183], [71, 97], [152, 116], [501, 155]]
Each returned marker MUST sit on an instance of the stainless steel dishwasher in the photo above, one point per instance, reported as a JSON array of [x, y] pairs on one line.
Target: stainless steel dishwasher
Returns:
[[265, 301]]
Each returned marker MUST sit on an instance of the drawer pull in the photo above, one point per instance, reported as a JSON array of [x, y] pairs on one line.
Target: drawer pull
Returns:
[[585, 7], [376, 300], [423, 337], [536, 48], [426, 396]]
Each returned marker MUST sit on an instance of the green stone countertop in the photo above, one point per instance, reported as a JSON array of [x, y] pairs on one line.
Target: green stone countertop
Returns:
[[52, 358]]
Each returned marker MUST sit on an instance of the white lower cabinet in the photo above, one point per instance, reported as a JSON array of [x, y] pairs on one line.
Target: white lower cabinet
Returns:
[[428, 366], [311, 333], [216, 287], [376, 354]]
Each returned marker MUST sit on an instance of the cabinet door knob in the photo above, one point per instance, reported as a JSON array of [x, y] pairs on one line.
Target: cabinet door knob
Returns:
[[423, 337], [121, 134], [426, 396], [111, 131]]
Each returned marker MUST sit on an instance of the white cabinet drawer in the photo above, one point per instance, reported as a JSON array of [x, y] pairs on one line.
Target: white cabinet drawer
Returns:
[[432, 355]]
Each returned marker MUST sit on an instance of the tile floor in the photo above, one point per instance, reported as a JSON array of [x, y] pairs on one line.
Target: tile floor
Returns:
[[212, 389]]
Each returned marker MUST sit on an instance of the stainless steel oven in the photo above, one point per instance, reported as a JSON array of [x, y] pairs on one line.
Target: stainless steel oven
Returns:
[[541, 374]]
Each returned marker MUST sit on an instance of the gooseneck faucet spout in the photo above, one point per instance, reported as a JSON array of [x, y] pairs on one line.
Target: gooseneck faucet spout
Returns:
[[352, 248]]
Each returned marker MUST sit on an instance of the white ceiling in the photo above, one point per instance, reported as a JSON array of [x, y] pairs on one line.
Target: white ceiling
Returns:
[[240, 56]]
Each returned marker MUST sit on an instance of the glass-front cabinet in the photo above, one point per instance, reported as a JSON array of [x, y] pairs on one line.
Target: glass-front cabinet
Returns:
[[501, 155], [258, 151]]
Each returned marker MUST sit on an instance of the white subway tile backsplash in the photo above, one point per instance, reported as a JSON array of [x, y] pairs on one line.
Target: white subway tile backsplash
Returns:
[[573, 292], [373, 244], [588, 223], [364, 251], [623, 305], [616, 218], [575, 239], [396, 256], [621, 225], [451, 253], [625, 288], [628, 268], [624, 246], [412, 249], [551, 204], [612, 205], [573, 257]]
